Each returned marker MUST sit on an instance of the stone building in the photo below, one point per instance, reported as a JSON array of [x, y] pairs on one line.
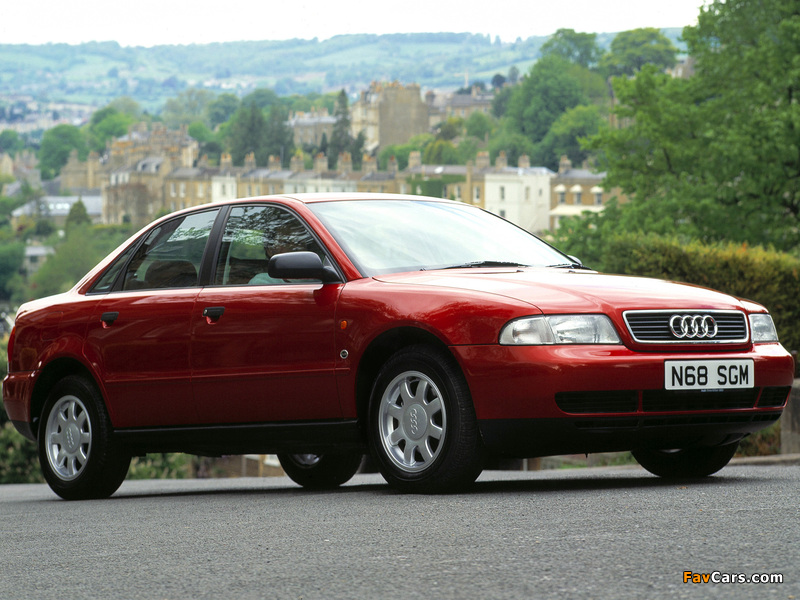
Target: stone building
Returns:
[[310, 127], [575, 191], [134, 194], [134, 169], [389, 113], [520, 194]]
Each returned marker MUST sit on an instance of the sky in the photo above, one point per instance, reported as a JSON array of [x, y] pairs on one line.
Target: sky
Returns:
[[156, 22]]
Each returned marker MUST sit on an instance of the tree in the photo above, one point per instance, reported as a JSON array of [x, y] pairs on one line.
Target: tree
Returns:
[[440, 152], [77, 215], [479, 125], [221, 109], [10, 142], [279, 137], [262, 97], [565, 135], [401, 152], [106, 124], [11, 255], [247, 134], [715, 157], [631, 50], [188, 106], [128, 106], [450, 129], [80, 250], [510, 141], [544, 94], [578, 48], [501, 100], [341, 138], [57, 143]]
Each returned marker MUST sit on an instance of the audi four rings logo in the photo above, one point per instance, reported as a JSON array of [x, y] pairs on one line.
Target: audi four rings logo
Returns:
[[693, 327]]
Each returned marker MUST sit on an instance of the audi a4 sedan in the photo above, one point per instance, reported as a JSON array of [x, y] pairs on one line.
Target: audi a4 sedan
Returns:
[[431, 334]]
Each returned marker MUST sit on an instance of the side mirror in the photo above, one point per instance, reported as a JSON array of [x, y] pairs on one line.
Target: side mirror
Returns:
[[301, 265]]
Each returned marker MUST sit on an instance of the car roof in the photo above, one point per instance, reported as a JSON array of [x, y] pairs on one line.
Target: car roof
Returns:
[[311, 198]]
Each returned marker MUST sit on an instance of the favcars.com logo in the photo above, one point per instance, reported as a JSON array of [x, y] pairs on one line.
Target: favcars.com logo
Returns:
[[719, 577]]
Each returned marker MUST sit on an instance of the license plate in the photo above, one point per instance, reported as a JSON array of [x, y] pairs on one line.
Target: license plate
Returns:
[[709, 374]]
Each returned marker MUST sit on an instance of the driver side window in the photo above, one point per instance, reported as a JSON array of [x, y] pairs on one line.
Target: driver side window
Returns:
[[253, 234]]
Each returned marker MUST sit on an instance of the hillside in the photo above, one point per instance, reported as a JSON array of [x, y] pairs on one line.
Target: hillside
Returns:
[[98, 72]]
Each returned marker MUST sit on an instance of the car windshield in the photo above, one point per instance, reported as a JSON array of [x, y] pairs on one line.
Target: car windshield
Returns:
[[392, 236]]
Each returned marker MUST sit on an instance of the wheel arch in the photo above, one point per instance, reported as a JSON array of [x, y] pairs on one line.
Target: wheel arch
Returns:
[[54, 372], [379, 351]]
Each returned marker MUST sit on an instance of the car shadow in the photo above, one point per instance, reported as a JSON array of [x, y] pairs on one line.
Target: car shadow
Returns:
[[371, 485]]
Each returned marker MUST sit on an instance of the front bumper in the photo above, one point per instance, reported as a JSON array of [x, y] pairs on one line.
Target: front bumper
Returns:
[[17, 391], [544, 400]]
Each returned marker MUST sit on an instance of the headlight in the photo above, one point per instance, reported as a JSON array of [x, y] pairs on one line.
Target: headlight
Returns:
[[763, 329], [559, 329]]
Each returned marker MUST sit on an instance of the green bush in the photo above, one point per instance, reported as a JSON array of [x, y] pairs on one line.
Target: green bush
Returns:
[[765, 276], [19, 462]]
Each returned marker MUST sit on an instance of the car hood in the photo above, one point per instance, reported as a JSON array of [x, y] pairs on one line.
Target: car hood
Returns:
[[566, 290]]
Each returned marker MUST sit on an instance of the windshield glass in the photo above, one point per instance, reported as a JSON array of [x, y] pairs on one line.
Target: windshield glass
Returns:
[[392, 236]]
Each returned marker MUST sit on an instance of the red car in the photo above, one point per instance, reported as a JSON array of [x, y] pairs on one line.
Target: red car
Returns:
[[430, 333]]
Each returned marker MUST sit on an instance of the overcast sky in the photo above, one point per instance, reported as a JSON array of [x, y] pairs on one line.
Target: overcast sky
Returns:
[[154, 22]]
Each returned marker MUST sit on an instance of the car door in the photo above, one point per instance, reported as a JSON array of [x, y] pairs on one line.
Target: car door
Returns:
[[140, 335], [263, 349]]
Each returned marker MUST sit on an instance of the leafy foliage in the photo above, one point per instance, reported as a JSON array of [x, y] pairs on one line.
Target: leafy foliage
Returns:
[[106, 124], [188, 106], [542, 96], [341, 139], [631, 50], [717, 156], [578, 48], [80, 250], [57, 143]]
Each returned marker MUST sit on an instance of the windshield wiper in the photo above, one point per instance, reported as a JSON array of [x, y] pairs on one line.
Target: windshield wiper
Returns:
[[572, 265], [486, 263]]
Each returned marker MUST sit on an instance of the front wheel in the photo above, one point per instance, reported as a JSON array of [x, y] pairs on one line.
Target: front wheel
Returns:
[[688, 463], [422, 426], [321, 471], [78, 457]]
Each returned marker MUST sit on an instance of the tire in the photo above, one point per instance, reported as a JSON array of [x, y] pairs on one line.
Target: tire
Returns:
[[688, 463], [422, 431], [77, 454], [320, 471]]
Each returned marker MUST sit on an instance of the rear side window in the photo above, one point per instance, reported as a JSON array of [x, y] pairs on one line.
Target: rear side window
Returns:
[[106, 282], [171, 254]]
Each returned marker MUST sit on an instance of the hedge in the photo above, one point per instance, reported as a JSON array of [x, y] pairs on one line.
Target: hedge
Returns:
[[765, 276]]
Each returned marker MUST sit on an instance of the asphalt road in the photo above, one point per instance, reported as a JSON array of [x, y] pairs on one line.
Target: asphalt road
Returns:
[[583, 533]]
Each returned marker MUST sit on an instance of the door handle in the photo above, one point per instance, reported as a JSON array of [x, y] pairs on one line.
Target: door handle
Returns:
[[108, 318], [213, 313]]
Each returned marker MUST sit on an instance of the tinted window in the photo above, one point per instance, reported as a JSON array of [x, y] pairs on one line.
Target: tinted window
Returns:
[[252, 236], [106, 282], [171, 254]]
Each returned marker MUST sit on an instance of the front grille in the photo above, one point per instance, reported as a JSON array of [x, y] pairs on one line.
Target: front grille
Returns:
[[671, 401], [652, 326], [774, 396], [597, 402]]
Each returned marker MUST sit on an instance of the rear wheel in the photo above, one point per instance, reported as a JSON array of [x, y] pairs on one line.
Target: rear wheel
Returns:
[[78, 457], [687, 463], [320, 471], [422, 426]]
